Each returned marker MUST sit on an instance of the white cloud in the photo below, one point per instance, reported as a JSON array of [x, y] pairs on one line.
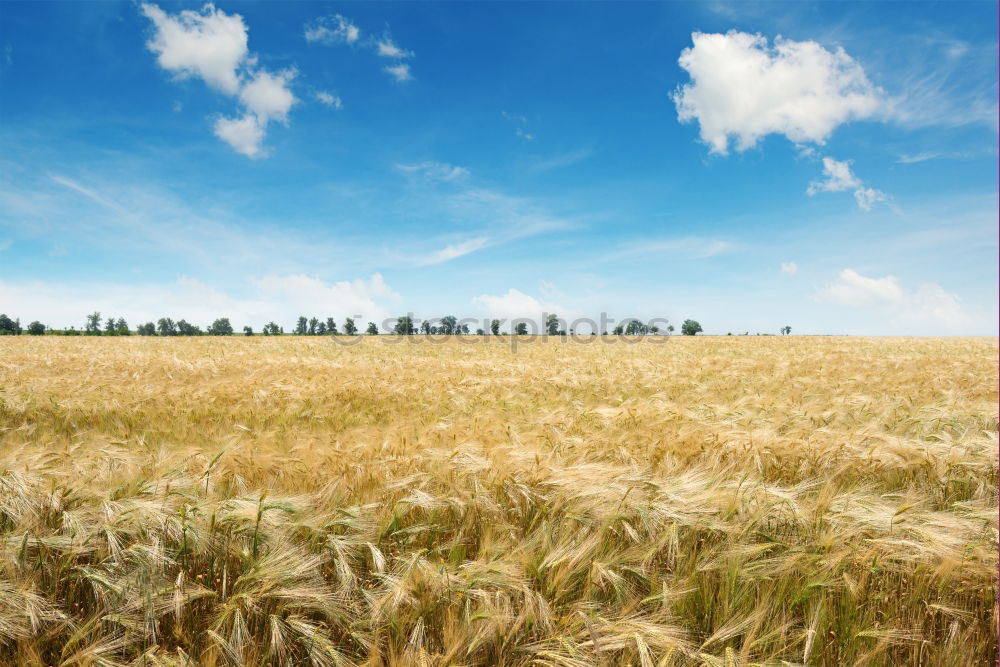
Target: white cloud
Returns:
[[691, 247], [212, 45], [524, 135], [868, 196], [790, 268], [563, 160], [279, 298], [244, 134], [439, 171], [268, 96], [454, 251], [334, 29], [929, 306], [400, 72], [386, 48], [858, 291], [742, 88], [89, 193], [839, 177], [329, 99], [209, 44], [515, 305], [310, 294]]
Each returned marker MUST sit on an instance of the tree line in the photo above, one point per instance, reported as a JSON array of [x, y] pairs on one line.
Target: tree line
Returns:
[[448, 325]]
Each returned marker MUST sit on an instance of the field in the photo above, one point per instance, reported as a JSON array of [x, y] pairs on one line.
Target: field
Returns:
[[707, 501]]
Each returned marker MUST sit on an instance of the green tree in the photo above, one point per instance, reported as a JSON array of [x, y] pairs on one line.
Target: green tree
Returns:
[[185, 328], [690, 328], [272, 329], [109, 327], [404, 326], [449, 325], [495, 327], [636, 328], [121, 327], [785, 331], [313, 323], [166, 327], [302, 327], [147, 329], [8, 327], [221, 327], [521, 329], [552, 325], [321, 329], [480, 332], [247, 331], [93, 324], [350, 328], [670, 328], [36, 328], [372, 329], [425, 327], [331, 327]]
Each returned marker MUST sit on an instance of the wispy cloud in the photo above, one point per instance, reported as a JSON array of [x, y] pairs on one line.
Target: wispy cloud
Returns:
[[520, 121], [401, 72], [329, 99], [386, 48], [439, 171], [562, 160], [690, 247], [89, 193], [453, 251], [335, 29]]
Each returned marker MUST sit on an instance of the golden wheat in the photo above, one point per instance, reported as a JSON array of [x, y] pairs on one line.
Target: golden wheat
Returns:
[[287, 501]]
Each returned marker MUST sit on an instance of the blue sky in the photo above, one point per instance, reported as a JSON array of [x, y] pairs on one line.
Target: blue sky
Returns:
[[828, 166]]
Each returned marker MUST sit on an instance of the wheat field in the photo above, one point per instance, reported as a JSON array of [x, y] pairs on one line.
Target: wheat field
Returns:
[[293, 501]]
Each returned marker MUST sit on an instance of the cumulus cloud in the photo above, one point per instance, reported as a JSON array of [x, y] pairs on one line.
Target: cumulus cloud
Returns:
[[268, 96], [349, 298], [212, 45], [400, 72], [930, 305], [744, 89], [208, 44], [856, 290], [281, 298], [244, 134], [789, 268], [334, 29], [838, 177], [515, 305], [329, 99]]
